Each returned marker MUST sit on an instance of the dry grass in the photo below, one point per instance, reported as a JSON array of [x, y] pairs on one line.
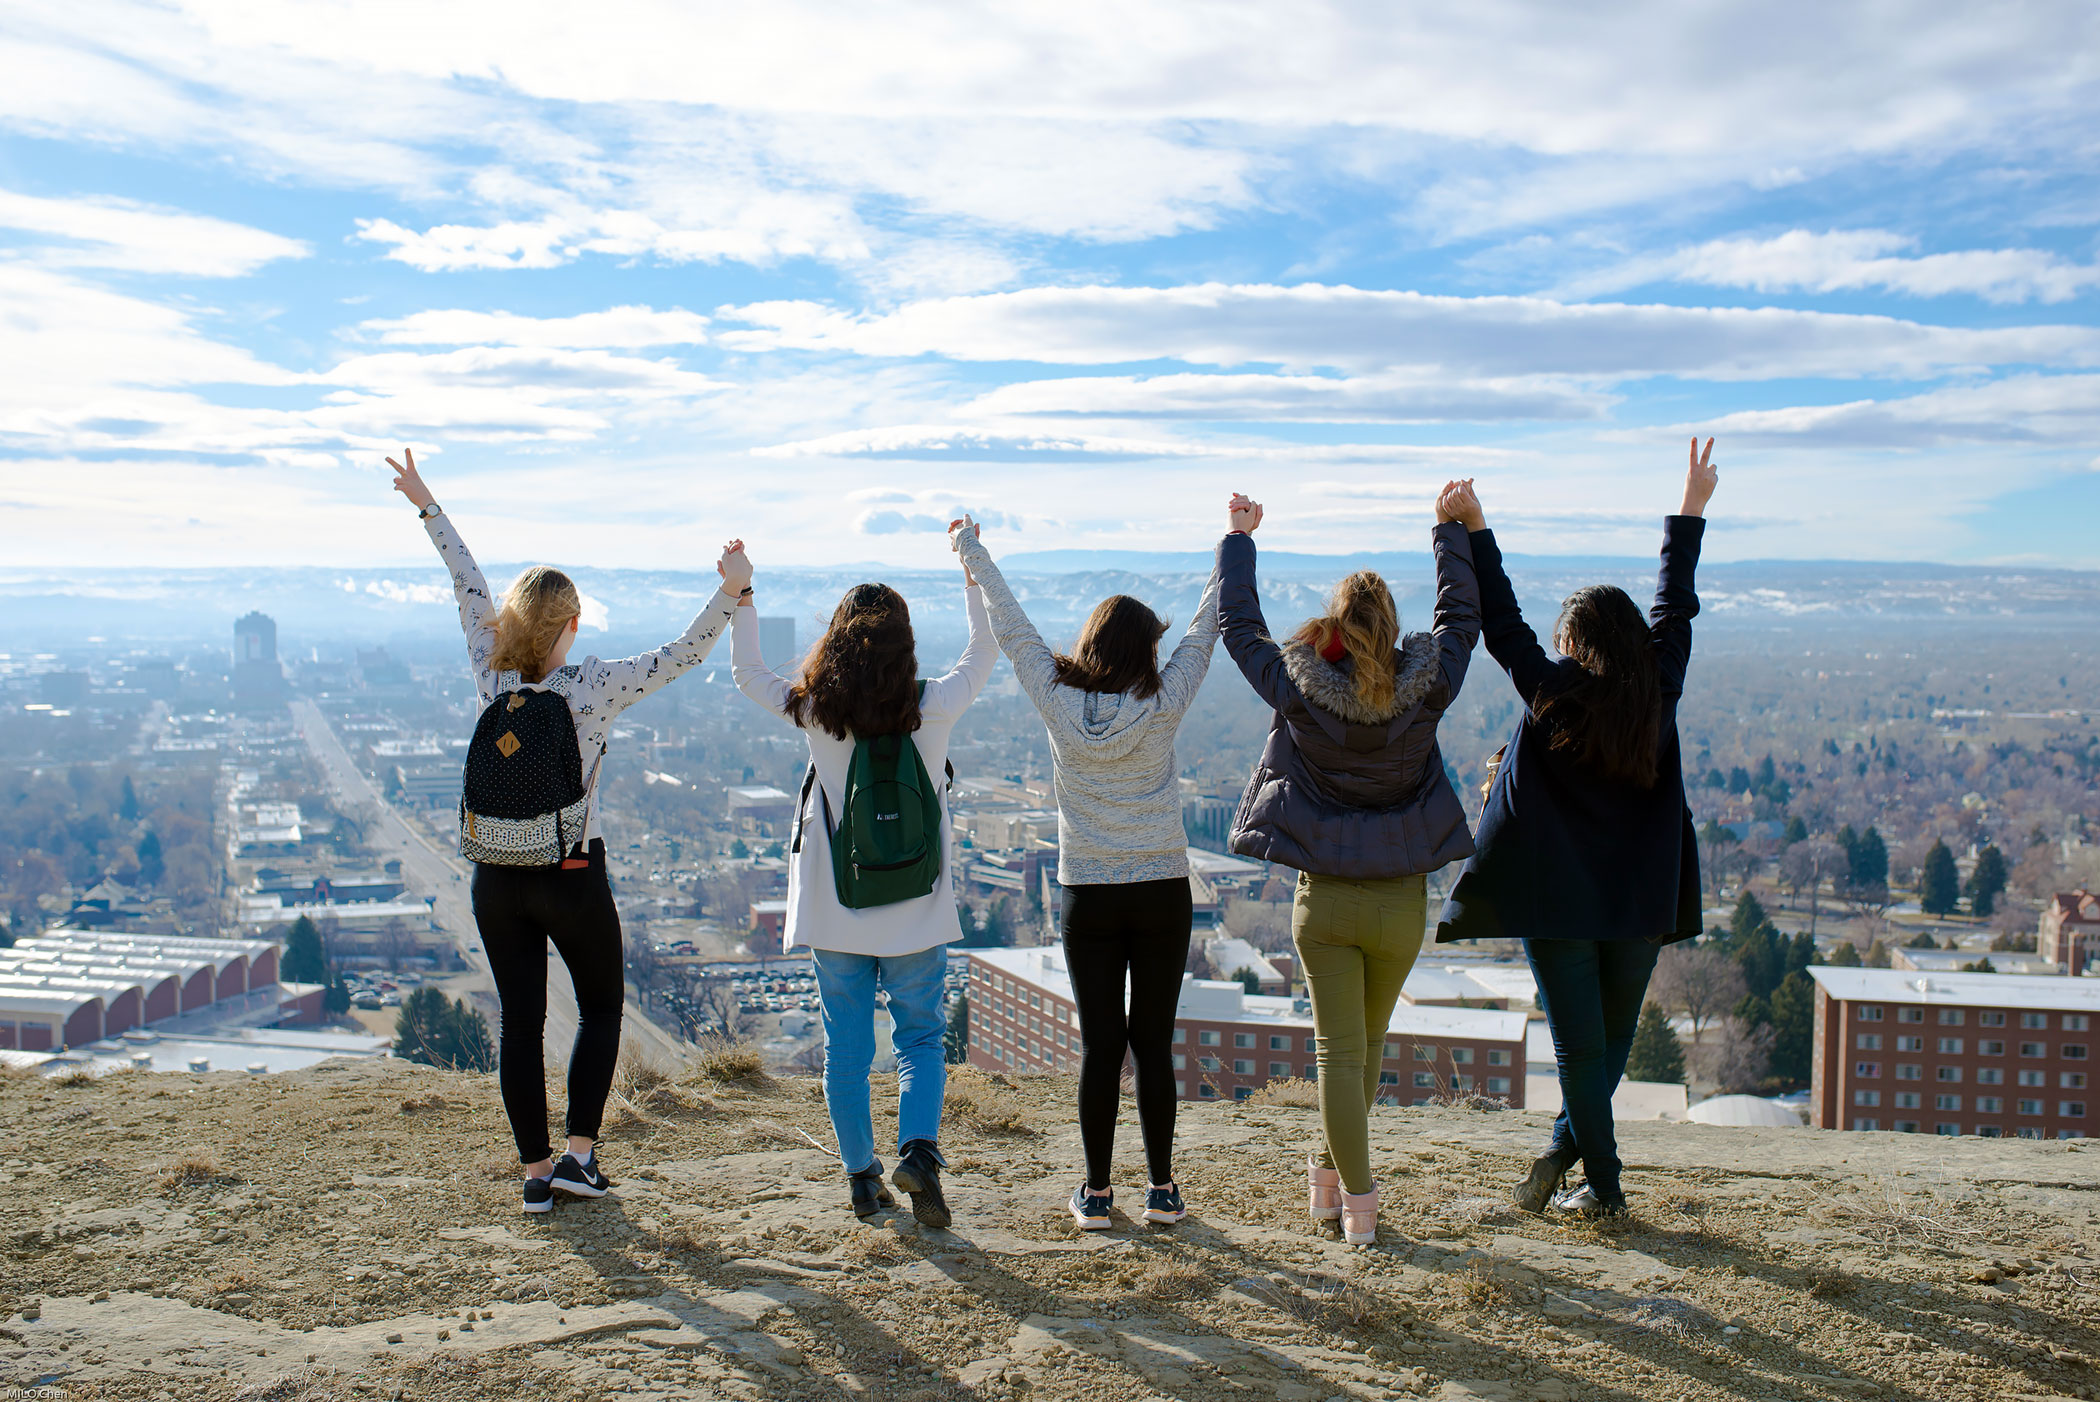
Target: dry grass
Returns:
[[78, 1076], [309, 1384], [193, 1169], [421, 1104], [979, 1100], [1175, 1280], [1287, 1091], [1478, 1287], [731, 1063], [1831, 1285], [1936, 1215], [1347, 1307]]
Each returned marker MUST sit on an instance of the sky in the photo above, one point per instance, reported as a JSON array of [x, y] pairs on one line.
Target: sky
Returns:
[[637, 276]]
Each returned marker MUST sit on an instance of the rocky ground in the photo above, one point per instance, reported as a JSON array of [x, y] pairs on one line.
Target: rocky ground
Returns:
[[353, 1231]]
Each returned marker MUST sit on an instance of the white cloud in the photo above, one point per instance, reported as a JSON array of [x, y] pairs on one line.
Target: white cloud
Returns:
[[949, 443], [1383, 398], [1849, 260], [2017, 410], [123, 234], [1314, 326], [614, 328]]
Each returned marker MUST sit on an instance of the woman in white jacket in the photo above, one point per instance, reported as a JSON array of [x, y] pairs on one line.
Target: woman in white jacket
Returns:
[[860, 680], [1112, 712]]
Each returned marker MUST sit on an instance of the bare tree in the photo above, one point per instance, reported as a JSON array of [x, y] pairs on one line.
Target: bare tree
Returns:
[[716, 1012], [1808, 864], [1697, 980], [1743, 1057], [395, 942], [1264, 924]]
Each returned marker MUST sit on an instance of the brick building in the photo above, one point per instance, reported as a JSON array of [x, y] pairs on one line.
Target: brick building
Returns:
[[2070, 931], [1229, 1043], [1996, 1055]]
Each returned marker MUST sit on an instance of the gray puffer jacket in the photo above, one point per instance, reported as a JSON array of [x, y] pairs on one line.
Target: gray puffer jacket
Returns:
[[1342, 790]]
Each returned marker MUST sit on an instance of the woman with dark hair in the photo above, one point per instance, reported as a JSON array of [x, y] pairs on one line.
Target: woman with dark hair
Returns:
[[1122, 854], [518, 648], [858, 685], [1351, 792], [1586, 846]]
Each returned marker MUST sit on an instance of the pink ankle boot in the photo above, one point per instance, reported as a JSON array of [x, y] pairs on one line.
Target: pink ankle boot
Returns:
[[1360, 1217], [1323, 1191]]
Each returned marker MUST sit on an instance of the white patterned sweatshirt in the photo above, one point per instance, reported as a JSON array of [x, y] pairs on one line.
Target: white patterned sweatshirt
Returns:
[[1118, 787], [596, 689]]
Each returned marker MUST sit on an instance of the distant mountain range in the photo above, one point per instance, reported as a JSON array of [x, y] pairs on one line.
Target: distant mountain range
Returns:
[[53, 609]]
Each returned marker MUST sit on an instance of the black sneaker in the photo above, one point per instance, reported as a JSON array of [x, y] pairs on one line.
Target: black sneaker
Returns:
[[919, 1173], [1585, 1200], [539, 1195], [1090, 1209], [1537, 1191], [1164, 1204], [578, 1179], [869, 1195]]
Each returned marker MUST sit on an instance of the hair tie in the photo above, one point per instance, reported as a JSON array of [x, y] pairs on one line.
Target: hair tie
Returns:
[[1333, 650]]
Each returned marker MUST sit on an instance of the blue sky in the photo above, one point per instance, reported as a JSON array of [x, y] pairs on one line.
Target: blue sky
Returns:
[[632, 278]]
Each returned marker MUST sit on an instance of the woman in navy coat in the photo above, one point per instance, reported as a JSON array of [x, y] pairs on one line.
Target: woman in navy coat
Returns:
[[1586, 850]]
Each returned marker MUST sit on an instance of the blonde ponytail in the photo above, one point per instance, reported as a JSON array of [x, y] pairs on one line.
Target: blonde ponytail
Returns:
[[537, 606], [1361, 618]]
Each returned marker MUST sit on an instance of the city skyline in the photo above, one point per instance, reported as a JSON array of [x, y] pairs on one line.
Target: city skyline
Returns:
[[821, 281]]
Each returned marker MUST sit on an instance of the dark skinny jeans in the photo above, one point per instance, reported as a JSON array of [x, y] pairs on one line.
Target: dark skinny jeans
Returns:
[[518, 910], [1137, 930], [1591, 992]]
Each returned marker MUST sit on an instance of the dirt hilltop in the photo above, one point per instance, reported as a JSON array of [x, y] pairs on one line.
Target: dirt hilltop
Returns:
[[352, 1231]]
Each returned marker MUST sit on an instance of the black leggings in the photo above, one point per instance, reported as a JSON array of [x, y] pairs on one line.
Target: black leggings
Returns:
[[518, 909], [1138, 928]]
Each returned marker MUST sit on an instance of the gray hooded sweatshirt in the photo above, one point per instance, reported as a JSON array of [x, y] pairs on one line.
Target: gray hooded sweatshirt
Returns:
[[1118, 787]]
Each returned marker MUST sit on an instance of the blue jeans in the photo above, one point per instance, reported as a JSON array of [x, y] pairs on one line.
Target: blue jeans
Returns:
[[917, 986], [1591, 992]]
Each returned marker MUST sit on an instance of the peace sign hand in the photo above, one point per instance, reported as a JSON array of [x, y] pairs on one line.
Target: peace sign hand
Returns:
[[1700, 479], [409, 482]]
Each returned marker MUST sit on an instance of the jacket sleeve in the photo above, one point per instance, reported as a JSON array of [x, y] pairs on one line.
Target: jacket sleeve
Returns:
[[1245, 631], [1034, 666], [951, 695], [1676, 604], [1510, 640], [1456, 626], [477, 610], [614, 686], [1183, 675], [753, 677]]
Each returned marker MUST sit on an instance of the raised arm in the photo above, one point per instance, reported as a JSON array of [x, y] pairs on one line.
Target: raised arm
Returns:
[[747, 667], [1456, 622], [1676, 601], [1510, 640], [612, 686], [951, 695], [1240, 620], [477, 610], [1183, 675], [1034, 665]]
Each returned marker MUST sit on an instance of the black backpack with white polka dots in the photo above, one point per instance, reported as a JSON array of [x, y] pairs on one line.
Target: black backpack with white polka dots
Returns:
[[522, 802]]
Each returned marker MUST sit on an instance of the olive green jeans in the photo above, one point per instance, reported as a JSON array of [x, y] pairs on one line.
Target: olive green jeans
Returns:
[[1356, 942]]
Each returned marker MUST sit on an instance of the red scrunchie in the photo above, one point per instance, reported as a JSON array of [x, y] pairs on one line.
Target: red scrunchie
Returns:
[[1332, 650]]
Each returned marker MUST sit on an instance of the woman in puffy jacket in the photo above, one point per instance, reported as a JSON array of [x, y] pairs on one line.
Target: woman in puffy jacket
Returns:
[[1351, 792]]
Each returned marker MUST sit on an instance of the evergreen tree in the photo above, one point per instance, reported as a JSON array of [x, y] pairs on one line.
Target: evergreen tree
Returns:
[[1987, 881], [473, 1049], [150, 866], [739, 849], [423, 1030], [1738, 780], [1247, 979], [1845, 956], [1796, 831], [1980, 966], [1767, 773], [1753, 1010], [1938, 886], [1656, 1055], [337, 998], [1849, 840], [1870, 860], [1878, 955], [1749, 916], [128, 805], [955, 1042], [1793, 1028], [1922, 940], [304, 960], [1801, 952]]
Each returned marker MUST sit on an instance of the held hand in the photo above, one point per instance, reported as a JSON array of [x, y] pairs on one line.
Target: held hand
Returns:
[[409, 482], [1461, 503], [1700, 479], [1246, 515], [734, 567], [955, 535]]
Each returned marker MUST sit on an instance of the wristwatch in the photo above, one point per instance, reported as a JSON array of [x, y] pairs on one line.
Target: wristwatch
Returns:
[[425, 513]]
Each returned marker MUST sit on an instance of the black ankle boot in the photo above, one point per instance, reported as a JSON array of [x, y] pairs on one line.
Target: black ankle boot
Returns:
[[1537, 1190], [869, 1195], [919, 1173]]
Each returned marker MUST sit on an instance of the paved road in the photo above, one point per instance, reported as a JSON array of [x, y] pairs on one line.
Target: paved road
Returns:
[[430, 869]]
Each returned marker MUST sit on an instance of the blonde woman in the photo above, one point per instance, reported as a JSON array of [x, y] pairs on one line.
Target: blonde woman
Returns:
[[1351, 793], [521, 645]]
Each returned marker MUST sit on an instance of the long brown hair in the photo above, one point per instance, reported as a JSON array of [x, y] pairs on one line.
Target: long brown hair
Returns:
[[862, 677], [1361, 618], [537, 606], [1118, 650], [1611, 718]]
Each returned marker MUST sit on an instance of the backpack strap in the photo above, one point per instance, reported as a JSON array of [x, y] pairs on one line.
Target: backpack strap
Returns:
[[949, 765], [809, 778]]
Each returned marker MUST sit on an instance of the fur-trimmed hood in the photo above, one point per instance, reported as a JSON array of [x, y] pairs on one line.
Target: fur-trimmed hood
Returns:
[[1332, 685]]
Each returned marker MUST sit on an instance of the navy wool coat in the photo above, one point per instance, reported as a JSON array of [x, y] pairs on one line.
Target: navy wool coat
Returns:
[[1563, 853], [1341, 789]]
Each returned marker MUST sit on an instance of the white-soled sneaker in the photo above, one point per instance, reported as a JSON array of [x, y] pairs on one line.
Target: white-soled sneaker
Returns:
[[1090, 1209], [577, 1179]]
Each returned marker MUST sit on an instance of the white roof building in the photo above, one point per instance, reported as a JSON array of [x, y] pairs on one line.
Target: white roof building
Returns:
[[2045, 992]]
